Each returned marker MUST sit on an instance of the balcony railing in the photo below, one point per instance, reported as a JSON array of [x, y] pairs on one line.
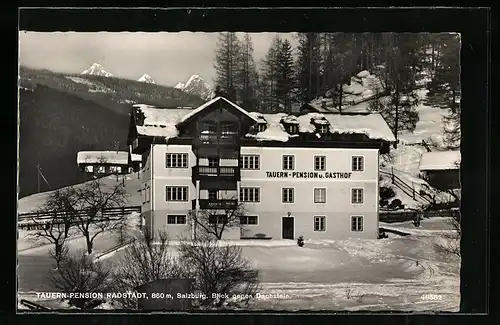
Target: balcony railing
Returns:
[[217, 139], [216, 204], [221, 171]]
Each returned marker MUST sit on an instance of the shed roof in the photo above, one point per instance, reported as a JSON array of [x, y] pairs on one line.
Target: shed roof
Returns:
[[104, 157], [440, 160]]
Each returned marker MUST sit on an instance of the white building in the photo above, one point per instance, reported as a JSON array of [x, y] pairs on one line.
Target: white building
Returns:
[[313, 175]]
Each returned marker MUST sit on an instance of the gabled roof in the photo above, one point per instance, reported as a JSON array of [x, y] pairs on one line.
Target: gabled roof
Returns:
[[208, 104], [103, 157], [440, 160], [160, 122], [164, 122]]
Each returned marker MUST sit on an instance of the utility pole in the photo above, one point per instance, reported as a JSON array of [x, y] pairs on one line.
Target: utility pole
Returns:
[[38, 176]]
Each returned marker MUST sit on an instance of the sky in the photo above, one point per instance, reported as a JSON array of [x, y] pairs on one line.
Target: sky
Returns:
[[169, 58]]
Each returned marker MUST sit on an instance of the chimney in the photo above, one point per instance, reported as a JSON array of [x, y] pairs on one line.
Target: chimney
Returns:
[[218, 92]]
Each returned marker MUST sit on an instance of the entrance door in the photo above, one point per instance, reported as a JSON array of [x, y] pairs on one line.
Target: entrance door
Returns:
[[287, 228]]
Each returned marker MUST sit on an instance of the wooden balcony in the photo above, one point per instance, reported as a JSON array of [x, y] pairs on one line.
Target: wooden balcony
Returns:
[[217, 140], [223, 178], [207, 204], [221, 172]]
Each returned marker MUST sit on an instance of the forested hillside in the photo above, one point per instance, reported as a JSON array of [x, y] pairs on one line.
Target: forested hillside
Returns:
[[322, 66], [114, 93], [63, 114]]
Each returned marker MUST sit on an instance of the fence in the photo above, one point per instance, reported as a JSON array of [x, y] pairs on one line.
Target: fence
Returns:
[[410, 215], [39, 220], [407, 189]]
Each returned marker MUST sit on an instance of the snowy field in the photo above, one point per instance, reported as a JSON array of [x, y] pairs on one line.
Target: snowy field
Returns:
[[132, 185], [354, 274]]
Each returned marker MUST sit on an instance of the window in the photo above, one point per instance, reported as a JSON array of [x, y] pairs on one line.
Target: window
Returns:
[[357, 195], [357, 163], [288, 162], [177, 160], [217, 219], [287, 195], [212, 195], [249, 220], [293, 129], [261, 127], [115, 169], [228, 128], [213, 162], [173, 219], [101, 169], [320, 195], [323, 129], [148, 194], [89, 169], [250, 194], [177, 193], [320, 163], [250, 162], [319, 223], [356, 223]]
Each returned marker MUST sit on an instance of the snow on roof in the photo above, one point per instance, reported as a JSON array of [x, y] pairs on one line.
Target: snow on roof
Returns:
[[207, 104], [259, 117], [109, 157], [274, 131], [372, 125], [160, 122], [136, 157], [290, 119], [440, 160]]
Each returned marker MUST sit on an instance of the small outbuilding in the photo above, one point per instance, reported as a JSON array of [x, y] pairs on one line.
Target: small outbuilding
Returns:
[[441, 169], [103, 162]]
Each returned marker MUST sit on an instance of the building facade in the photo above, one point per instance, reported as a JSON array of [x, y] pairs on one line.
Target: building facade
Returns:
[[102, 163], [441, 169], [312, 175]]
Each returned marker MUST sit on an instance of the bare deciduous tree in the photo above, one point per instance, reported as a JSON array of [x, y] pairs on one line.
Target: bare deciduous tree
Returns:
[[144, 261], [94, 197], [215, 221], [80, 274], [219, 269], [55, 228]]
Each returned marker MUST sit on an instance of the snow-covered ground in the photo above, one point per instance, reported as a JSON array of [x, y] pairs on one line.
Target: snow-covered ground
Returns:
[[132, 184], [353, 274], [406, 157]]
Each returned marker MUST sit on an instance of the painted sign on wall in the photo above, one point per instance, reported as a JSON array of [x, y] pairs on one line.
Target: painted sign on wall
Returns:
[[336, 175]]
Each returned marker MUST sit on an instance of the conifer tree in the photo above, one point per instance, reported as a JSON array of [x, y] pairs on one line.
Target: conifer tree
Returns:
[[285, 75], [246, 77], [308, 72], [227, 55], [269, 74]]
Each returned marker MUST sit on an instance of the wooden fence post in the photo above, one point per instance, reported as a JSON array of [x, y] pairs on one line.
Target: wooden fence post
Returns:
[[413, 189], [392, 174]]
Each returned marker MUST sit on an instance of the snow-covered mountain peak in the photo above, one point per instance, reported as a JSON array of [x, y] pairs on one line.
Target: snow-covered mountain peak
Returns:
[[97, 70], [196, 85], [147, 79]]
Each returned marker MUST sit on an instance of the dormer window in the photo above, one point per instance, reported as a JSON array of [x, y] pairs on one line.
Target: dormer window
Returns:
[[323, 129], [293, 129], [261, 127]]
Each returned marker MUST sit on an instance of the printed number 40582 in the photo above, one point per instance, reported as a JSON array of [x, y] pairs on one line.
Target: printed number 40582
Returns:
[[432, 297]]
